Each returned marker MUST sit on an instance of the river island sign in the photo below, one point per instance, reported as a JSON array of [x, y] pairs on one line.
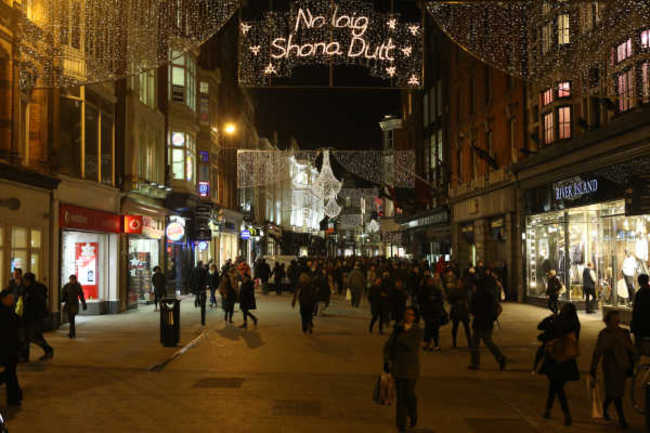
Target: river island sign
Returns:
[[323, 32]]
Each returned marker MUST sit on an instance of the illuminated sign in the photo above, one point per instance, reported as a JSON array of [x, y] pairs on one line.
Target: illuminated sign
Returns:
[[324, 32], [245, 234], [133, 224], [203, 245], [574, 189], [175, 231], [204, 189]]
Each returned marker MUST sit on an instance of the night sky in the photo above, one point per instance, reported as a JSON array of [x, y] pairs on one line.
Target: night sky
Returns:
[[339, 118]]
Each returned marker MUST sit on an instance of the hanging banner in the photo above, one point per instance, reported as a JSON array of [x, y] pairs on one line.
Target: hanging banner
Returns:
[[325, 32], [86, 268]]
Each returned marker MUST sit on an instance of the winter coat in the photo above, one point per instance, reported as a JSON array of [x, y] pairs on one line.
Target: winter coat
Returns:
[[199, 279], [402, 351], [430, 299], [588, 282], [159, 284], [324, 292], [247, 295], [35, 303], [615, 348], [640, 325], [306, 293], [278, 274], [553, 287], [484, 308], [356, 282], [228, 293], [70, 296], [214, 280], [566, 370], [9, 342], [459, 300]]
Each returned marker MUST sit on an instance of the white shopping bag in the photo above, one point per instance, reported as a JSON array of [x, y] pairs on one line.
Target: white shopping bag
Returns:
[[593, 390]]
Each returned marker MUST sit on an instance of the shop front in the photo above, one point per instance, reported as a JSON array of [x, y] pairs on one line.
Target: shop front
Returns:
[[179, 253], [144, 237], [593, 223], [429, 235], [89, 249]]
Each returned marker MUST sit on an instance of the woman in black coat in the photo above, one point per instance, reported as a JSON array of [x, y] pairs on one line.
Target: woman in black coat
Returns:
[[459, 301], [431, 308], [228, 294], [247, 299], [560, 372]]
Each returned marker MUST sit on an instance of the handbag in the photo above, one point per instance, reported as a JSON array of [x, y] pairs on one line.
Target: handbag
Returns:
[[593, 391], [563, 348], [384, 392]]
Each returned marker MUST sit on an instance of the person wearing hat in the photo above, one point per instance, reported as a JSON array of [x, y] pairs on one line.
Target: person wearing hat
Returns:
[[553, 289]]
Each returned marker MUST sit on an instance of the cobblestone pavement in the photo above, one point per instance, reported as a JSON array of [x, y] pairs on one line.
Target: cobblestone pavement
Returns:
[[274, 379]]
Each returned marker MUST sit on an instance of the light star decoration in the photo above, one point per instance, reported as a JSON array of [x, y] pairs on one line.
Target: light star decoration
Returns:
[[414, 30], [392, 23], [407, 51], [255, 49], [414, 81], [270, 69], [245, 28], [391, 71]]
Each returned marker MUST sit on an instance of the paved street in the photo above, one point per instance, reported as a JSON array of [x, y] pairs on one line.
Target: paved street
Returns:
[[274, 379]]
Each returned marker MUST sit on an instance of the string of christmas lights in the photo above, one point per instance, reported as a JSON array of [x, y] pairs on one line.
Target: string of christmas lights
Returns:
[[546, 41], [324, 32], [67, 43], [383, 168]]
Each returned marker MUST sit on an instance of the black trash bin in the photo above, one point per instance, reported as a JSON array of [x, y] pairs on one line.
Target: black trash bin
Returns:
[[170, 322]]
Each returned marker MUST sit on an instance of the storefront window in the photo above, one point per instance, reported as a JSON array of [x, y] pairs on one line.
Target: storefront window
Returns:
[[91, 168], [144, 255], [87, 256], [19, 248], [600, 235]]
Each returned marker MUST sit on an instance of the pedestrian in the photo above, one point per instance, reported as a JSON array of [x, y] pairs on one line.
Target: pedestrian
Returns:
[[16, 283], [546, 326], [402, 361], [306, 296], [70, 296], [430, 299], [356, 284], [398, 300], [279, 274], [377, 306], [589, 287], [459, 300], [247, 299], [640, 325], [159, 282], [486, 309], [228, 294], [199, 281], [559, 359], [34, 311], [9, 347], [324, 283], [615, 347], [553, 289], [214, 280]]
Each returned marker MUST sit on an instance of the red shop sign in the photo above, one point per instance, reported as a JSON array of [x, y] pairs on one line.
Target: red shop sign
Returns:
[[133, 224], [88, 219]]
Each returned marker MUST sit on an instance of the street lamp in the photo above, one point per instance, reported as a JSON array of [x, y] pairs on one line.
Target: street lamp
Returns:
[[230, 129]]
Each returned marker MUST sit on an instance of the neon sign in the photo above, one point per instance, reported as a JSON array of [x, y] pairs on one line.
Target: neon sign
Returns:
[[574, 189], [323, 32]]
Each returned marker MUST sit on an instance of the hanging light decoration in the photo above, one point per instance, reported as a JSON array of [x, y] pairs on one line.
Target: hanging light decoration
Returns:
[[67, 43], [326, 184], [373, 227], [332, 208], [543, 41]]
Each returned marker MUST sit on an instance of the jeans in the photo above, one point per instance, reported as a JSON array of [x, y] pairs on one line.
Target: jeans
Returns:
[[71, 320], [557, 388], [629, 282], [454, 331], [247, 314], [407, 402], [213, 297], [484, 334], [9, 377], [34, 335], [553, 304], [432, 331], [306, 316]]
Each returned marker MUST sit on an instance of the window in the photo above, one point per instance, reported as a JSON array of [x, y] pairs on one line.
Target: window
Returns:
[[645, 39], [564, 122], [645, 81], [19, 248], [107, 143], [182, 156], [564, 89], [91, 170], [623, 51], [547, 97], [183, 79], [547, 37], [147, 88], [433, 158], [563, 30], [549, 128], [625, 90]]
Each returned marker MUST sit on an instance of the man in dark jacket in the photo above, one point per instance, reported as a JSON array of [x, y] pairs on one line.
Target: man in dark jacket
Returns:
[[159, 282], [640, 325], [34, 311], [306, 296], [70, 296], [265, 273], [485, 308], [9, 347], [589, 287], [199, 283], [553, 289]]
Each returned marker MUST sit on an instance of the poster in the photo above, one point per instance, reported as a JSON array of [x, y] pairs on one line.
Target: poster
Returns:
[[86, 268]]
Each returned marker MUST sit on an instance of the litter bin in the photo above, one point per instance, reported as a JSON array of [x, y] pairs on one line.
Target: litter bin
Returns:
[[170, 322]]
